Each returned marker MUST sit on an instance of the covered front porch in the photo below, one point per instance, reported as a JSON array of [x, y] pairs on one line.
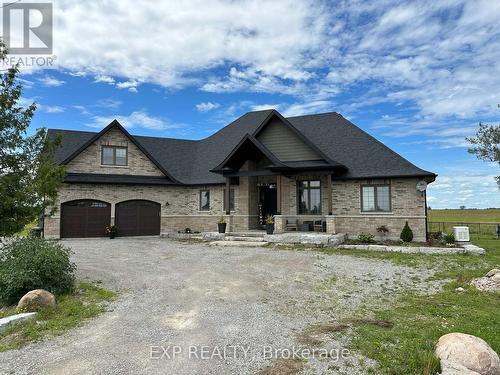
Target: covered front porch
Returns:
[[281, 174], [298, 203]]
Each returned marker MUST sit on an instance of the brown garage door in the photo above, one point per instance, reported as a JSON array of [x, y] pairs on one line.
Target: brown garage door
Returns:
[[137, 218], [84, 218]]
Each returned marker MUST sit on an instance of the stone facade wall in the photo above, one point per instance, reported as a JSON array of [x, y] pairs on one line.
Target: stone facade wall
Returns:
[[407, 204], [89, 160], [180, 205]]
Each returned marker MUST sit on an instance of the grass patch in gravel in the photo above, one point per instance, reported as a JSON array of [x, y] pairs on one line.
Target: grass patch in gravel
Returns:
[[87, 301], [419, 321]]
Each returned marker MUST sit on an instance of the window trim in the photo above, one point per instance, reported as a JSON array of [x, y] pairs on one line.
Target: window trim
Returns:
[[375, 186], [114, 148], [309, 188], [199, 197]]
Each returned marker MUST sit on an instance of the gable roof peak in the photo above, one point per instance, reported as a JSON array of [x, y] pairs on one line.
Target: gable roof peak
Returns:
[[116, 123]]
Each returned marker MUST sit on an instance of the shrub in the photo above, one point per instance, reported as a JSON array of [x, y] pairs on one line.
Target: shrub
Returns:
[[406, 233], [366, 237], [33, 263], [449, 238]]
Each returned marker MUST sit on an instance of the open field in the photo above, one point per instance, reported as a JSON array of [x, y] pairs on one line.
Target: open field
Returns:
[[491, 215], [480, 222]]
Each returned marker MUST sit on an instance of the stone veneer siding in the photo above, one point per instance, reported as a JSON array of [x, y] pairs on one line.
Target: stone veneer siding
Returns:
[[182, 210], [89, 160]]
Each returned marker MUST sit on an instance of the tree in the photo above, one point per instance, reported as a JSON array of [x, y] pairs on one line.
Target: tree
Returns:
[[486, 144], [29, 178]]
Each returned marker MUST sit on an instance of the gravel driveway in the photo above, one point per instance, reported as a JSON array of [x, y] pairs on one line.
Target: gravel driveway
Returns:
[[200, 298]]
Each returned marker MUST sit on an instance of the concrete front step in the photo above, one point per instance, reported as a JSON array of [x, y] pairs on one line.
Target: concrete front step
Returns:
[[246, 239], [239, 243], [259, 234]]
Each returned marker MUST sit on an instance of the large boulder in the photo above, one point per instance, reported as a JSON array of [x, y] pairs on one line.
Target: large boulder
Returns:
[[36, 299], [462, 351]]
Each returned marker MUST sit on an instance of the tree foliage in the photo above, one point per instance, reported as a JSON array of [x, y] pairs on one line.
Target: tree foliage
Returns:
[[486, 144], [29, 179]]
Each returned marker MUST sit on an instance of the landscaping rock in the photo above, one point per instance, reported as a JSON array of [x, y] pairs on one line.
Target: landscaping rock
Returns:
[[462, 352], [36, 299], [6, 322], [473, 249], [493, 272], [490, 282]]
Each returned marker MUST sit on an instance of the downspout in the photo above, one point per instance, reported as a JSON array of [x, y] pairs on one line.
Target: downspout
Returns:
[[426, 219]]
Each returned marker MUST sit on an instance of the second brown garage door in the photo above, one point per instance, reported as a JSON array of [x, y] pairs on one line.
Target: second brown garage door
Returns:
[[137, 218]]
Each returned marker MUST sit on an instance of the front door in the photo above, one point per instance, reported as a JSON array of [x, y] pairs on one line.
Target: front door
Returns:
[[268, 202]]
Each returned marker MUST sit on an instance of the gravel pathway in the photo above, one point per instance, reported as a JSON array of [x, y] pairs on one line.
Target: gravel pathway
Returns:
[[201, 298]]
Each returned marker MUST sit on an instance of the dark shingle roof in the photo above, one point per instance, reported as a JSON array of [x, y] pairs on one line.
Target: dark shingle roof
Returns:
[[190, 162]]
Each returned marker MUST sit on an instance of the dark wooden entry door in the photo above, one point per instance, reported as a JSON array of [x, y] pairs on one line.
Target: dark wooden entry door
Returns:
[[137, 218], [268, 200], [84, 218]]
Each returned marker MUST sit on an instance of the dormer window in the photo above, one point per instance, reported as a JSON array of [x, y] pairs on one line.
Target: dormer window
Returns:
[[114, 155]]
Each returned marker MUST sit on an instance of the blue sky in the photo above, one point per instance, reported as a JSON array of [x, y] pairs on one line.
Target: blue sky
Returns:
[[417, 75]]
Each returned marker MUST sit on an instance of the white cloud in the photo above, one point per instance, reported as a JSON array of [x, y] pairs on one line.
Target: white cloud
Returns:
[[51, 81], [101, 78], [50, 108], [129, 85], [206, 106], [261, 107], [137, 119], [465, 183], [441, 56]]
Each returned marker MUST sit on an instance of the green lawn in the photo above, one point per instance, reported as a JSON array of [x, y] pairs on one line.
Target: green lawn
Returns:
[[419, 321], [87, 301], [469, 216]]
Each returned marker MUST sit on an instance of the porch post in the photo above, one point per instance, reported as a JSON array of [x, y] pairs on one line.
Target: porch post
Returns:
[[227, 207], [329, 194], [278, 194]]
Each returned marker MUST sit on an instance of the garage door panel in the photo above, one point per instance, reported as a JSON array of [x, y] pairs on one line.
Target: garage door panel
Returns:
[[138, 218], [84, 218]]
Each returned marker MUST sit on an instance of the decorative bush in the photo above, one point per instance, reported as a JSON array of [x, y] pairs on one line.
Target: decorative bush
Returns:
[[449, 238], [366, 237], [406, 233], [33, 263]]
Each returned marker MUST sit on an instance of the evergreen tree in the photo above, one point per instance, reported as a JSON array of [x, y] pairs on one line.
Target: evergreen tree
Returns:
[[29, 179]]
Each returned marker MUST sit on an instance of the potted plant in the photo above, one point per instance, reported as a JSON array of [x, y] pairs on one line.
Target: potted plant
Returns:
[[269, 224], [221, 224], [110, 231]]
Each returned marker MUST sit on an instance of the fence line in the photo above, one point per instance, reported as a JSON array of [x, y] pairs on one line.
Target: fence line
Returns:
[[475, 228]]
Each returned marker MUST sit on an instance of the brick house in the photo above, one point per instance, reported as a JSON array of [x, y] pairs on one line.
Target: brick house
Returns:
[[306, 169]]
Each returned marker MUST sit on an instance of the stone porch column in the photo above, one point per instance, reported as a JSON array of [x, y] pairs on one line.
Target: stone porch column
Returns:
[[279, 223], [330, 224]]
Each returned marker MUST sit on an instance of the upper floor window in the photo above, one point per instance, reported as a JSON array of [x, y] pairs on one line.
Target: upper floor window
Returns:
[[204, 200], [376, 198], [309, 197], [114, 155]]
